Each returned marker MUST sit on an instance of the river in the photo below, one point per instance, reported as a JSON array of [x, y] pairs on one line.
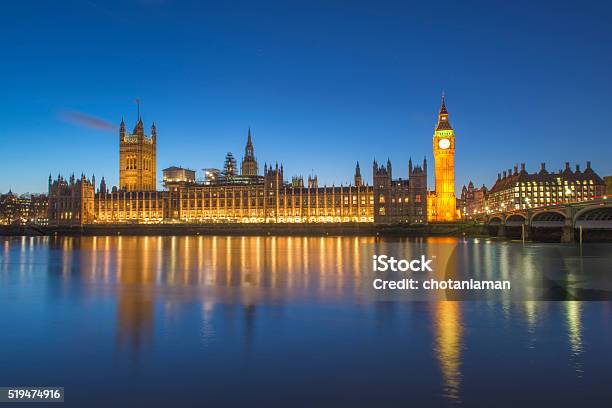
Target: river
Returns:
[[293, 321]]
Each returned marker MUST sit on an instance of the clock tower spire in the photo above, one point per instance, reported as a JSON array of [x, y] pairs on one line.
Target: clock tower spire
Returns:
[[444, 206], [443, 122]]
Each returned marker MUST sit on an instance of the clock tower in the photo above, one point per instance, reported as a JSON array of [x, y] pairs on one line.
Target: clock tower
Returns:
[[444, 204]]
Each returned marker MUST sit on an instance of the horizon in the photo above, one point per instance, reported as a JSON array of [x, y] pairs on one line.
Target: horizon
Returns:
[[319, 88]]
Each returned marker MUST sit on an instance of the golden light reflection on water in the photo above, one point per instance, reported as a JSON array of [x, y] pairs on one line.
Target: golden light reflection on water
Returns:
[[139, 268], [273, 262], [5, 256], [448, 337], [248, 271], [573, 315], [447, 317], [135, 299], [531, 315]]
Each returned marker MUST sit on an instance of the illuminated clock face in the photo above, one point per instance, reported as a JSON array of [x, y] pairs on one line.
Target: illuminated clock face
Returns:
[[444, 144]]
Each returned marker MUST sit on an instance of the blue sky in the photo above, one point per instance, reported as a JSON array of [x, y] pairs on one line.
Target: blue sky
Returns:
[[322, 84]]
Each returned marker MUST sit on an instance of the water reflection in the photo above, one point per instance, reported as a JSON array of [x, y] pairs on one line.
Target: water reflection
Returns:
[[262, 295], [245, 270], [449, 332], [573, 314], [135, 291]]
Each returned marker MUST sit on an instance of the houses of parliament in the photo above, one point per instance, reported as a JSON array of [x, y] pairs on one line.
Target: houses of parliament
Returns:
[[244, 195]]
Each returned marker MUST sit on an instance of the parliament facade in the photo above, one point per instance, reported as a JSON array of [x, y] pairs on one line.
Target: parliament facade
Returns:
[[226, 196]]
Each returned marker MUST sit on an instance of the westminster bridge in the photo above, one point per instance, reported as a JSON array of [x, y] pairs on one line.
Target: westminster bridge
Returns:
[[568, 221]]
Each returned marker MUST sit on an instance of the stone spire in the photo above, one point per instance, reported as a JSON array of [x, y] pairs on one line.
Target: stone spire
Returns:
[[249, 164], [249, 141], [443, 122], [358, 179], [122, 129]]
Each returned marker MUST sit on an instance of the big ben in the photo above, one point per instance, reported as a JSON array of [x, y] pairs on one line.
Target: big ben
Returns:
[[444, 203]]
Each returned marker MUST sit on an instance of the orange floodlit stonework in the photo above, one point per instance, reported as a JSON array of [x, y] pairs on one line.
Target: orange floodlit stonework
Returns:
[[442, 201]]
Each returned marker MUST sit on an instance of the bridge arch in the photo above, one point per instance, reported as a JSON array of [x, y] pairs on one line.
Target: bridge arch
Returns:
[[495, 220], [548, 215], [516, 220], [594, 217]]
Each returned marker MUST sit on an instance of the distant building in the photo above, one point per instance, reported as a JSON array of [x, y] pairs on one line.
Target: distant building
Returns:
[[9, 209], [23, 209], [38, 209], [518, 189], [472, 200], [180, 175], [212, 176]]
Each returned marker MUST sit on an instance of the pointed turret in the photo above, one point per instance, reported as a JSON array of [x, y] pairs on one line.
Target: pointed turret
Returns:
[[249, 164], [443, 107], [249, 141], [139, 128], [358, 180], [103, 186], [313, 182], [122, 130], [443, 122]]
